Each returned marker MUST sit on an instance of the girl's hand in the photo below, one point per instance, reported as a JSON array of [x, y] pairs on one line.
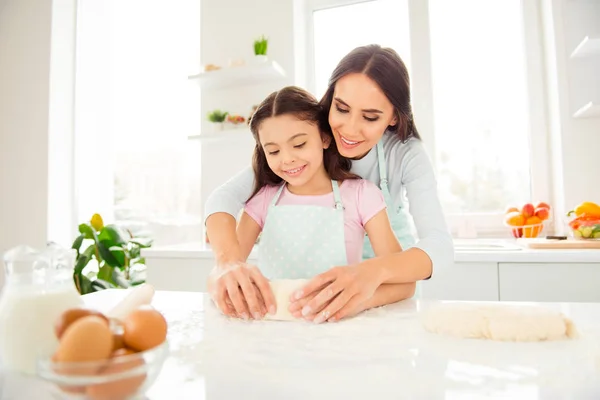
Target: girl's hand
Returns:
[[240, 290], [335, 294]]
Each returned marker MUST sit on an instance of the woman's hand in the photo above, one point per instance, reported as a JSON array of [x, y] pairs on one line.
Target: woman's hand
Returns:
[[241, 290], [335, 294]]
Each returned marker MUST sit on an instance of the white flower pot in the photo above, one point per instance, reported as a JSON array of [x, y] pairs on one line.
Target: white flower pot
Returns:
[[260, 58]]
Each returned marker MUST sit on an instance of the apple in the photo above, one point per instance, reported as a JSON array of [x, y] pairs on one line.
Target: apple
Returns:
[[542, 213], [517, 233], [528, 210], [542, 204]]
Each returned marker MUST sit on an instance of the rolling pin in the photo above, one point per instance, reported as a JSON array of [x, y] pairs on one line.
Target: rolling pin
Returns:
[[139, 296]]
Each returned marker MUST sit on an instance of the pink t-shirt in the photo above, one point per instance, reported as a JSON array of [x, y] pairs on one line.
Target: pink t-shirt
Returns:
[[362, 200]]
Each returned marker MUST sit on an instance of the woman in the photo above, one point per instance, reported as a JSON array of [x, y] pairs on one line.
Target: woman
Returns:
[[370, 115]]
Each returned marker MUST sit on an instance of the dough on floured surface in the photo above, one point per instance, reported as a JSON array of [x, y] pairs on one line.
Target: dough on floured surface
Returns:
[[498, 322], [282, 290]]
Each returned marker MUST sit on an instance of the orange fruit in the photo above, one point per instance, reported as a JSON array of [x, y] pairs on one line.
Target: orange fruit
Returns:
[[514, 218]]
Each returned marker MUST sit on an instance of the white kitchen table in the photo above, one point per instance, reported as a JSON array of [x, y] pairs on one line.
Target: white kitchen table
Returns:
[[382, 354]]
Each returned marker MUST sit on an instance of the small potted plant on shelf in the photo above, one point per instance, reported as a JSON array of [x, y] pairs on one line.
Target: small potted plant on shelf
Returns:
[[217, 117], [260, 48]]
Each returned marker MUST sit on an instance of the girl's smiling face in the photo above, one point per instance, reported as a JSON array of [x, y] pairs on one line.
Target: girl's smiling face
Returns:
[[294, 151], [359, 115]]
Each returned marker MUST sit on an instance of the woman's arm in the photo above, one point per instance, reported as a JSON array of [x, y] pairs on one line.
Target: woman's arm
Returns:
[[222, 206], [247, 233]]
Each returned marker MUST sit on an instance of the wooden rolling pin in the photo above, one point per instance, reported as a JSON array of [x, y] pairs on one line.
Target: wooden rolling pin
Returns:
[[139, 296]]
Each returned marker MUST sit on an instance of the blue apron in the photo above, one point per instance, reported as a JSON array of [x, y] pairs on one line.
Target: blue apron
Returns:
[[301, 241], [397, 214]]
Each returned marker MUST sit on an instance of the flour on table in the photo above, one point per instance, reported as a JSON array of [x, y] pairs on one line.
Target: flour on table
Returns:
[[282, 290], [502, 322]]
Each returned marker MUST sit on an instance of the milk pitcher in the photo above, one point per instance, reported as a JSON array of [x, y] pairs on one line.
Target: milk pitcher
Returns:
[[38, 288]]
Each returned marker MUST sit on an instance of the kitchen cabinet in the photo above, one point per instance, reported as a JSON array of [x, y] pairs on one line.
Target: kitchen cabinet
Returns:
[[576, 282], [463, 281], [180, 273], [526, 275]]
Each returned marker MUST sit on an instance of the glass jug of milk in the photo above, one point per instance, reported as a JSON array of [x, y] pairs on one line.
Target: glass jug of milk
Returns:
[[38, 288]]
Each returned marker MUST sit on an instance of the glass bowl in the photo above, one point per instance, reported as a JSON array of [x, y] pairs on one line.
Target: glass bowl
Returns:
[[584, 227], [120, 378]]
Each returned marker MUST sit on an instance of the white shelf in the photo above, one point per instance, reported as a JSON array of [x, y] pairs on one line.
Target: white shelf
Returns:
[[222, 135], [254, 72], [590, 110], [589, 46]]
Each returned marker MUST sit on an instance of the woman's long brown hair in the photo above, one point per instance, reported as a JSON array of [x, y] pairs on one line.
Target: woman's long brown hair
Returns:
[[384, 66], [299, 103]]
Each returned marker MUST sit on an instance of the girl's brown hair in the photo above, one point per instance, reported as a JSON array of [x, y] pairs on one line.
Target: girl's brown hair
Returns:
[[384, 66], [299, 103]]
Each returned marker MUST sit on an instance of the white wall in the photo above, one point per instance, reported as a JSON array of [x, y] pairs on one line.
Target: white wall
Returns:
[[228, 30], [28, 69], [575, 143], [24, 87]]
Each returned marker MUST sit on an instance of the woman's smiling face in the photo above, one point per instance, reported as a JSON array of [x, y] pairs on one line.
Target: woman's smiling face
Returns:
[[359, 115]]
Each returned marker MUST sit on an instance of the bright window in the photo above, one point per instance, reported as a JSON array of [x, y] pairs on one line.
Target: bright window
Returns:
[[474, 63], [479, 104], [340, 29], [135, 109]]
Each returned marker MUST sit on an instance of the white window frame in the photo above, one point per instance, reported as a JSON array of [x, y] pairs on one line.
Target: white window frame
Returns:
[[468, 224]]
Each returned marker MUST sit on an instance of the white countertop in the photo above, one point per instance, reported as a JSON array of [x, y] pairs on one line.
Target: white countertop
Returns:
[[381, 354], [464, 252]]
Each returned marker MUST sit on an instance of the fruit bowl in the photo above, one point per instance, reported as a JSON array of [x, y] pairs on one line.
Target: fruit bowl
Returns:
[[527, 221], [124, 377], [526, 231], [584, 227]]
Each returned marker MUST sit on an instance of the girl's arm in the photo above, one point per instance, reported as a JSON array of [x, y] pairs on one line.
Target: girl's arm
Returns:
[[238, 289], [247, 233], [222, 206]]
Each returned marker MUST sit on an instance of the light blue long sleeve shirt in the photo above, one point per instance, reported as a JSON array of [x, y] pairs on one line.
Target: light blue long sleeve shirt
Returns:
[[410, 178]]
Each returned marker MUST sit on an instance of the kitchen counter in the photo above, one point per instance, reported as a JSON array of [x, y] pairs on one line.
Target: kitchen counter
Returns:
[[466, 250], [381, 354], [483, 270]]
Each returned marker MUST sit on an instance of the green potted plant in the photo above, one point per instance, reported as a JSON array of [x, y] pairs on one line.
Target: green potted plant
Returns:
[[116, 254], [217, 118], [260, 48]]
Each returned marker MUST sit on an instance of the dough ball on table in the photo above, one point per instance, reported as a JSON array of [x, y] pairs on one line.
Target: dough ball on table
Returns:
[[282, 290], [498, 322]]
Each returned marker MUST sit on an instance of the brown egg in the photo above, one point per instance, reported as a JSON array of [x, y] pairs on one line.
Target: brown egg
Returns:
[[118, 342], [145, 328], [71, 315], [87, 339], [123, 388]]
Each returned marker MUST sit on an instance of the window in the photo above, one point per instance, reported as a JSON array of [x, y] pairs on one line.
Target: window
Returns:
[[480, 104], [135, 109], [336, 33], [476, 63]]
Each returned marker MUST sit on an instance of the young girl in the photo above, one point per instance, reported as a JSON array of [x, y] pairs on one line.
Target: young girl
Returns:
[[312, 212]]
